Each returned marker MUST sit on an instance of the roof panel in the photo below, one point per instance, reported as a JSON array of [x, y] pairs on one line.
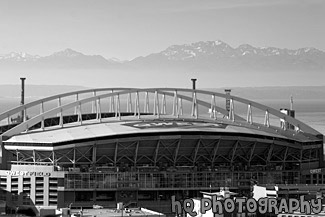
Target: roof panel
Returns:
[[97, 130]]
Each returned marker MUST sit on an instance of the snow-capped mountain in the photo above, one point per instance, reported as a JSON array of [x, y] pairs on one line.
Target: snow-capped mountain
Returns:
[[221, 49], [183, 52], [69, 53], [65, 59], [198, 49], [19, 57], [217, 56], [212, 56], [116, 60], [215, 62]]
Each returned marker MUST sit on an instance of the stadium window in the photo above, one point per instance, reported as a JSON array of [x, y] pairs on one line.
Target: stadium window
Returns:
[[319, 181]]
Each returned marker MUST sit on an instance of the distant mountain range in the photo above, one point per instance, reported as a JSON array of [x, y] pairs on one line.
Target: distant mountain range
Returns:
[[214, 63], [209, 55]]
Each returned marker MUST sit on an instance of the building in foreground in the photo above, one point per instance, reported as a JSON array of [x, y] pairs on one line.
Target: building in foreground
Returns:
[[141, 146]]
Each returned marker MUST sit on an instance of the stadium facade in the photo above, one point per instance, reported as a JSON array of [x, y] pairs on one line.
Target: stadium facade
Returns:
[[104, 146]]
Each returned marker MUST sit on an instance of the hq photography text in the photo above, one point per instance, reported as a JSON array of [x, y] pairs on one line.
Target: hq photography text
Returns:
[[265, 205]]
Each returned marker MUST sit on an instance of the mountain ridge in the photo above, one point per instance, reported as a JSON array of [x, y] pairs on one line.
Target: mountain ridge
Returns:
[[212, 62], [205, 47]]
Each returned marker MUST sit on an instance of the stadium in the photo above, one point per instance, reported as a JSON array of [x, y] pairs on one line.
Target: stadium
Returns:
[[142, 146]]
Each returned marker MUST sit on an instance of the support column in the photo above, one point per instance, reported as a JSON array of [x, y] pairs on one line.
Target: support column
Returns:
[[231, 112], [76, 107], [156, 105], [94, 104], [267, 119], [129, 103], [61, 118], [180, 107], [213, 107], [80, 114], [137, 105], [41, 112], [175, 104], [118, 110], [46, 191], [249, 114], [98, 111], [163, 103], [111, 103], [53, 158], [146, 103], [195, 112]]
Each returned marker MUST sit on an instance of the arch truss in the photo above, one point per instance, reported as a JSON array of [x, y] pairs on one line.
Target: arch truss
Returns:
[[116, 104]]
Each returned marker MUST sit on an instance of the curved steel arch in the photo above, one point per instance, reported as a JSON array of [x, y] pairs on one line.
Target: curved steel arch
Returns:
[[21, 108], [31, 122]]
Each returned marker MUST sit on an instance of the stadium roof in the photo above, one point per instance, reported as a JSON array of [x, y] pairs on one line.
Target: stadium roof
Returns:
[[56, 125], [134, 127]]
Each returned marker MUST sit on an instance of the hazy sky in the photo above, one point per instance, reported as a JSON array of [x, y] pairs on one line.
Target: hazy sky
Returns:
[[127, 29]]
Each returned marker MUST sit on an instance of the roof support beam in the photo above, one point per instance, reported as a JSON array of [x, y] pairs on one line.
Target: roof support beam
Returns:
[[269, 154], [215, 151], [94, 155], [74, 158], [196, 151], [176, 151], [285, 157], [251, 154], [156, 153], [234, 152], [136, 153], [115, 154]]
